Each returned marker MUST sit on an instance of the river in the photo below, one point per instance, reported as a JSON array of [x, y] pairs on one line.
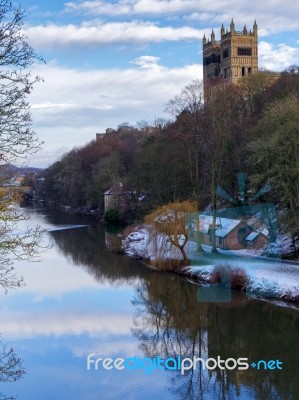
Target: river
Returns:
[[82, 298]]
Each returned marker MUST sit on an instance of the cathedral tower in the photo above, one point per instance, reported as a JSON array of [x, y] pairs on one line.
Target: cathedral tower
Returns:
[[226, 61]]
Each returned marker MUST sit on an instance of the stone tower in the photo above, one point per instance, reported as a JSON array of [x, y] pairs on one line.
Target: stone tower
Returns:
[[226, 61]]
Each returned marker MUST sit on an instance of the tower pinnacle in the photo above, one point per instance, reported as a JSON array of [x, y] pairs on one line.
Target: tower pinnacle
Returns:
[[222, 32], [213, 36], [255, 28], [232, 27]]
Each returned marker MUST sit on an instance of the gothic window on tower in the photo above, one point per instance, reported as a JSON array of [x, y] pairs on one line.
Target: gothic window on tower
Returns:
[[211, 59], [226, 73], [243, 71], [225, 53], [244, 51]]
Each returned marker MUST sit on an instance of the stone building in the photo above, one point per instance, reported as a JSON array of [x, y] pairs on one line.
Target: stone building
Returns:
[[117, 198], [226, 61]]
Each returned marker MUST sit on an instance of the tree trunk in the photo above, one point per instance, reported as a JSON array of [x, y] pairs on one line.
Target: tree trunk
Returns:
[[185, 258], [214, 206]]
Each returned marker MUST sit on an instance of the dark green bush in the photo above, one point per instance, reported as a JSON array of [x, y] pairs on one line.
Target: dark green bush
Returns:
[[112, 217]]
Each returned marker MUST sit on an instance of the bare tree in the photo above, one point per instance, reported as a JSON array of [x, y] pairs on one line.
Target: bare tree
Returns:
[[169, 229], [17, 140], [187, 107]]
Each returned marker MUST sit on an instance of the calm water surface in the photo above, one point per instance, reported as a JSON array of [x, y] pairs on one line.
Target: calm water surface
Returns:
[[83, 298]]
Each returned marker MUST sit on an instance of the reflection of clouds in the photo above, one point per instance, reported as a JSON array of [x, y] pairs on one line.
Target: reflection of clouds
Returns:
[[53, 277], [113, 348], [65, 269], [21, 325]]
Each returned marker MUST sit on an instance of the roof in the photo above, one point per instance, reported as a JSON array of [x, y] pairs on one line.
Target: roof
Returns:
[[259, 225], [115, 189], [252, 236], [223, 225]]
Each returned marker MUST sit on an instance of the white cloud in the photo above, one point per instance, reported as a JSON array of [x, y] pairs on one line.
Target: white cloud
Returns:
[[72, 105], [196, 16], [277, 57], [98, 7], [273, 15], [100, 33], [121, 7], [147, 62]]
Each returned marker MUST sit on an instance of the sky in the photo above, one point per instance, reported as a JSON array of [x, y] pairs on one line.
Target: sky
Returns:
[[115, 61]]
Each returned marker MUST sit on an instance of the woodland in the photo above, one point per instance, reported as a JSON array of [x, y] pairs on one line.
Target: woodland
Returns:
[[252, 128]]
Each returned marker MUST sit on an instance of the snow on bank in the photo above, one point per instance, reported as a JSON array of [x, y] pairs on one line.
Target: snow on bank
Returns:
[[138, 244], [266, 277], [282, 247], [135, 244]]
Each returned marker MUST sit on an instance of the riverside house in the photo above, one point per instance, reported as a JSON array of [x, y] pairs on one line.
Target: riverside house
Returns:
[[231, 234]]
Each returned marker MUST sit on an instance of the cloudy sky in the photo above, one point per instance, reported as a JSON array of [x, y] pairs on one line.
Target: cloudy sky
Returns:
[[114, 61]]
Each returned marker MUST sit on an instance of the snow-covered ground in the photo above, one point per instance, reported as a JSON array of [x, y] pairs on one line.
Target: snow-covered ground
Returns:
[[138, 244], [266, 277]]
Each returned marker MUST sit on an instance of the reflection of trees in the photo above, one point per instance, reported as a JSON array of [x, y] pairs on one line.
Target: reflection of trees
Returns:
[[171, 322], [15, 246], [86, 247], [10, 368]]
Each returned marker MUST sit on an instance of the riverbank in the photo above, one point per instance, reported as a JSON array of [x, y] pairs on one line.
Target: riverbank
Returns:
[[248, 271]]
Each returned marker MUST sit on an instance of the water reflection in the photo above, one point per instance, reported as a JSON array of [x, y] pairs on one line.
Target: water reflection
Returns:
[[84, 247], [171, 322], [11, 368], [116, 307]]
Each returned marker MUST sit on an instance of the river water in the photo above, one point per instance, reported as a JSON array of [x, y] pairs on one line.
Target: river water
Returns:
[[83, 298]]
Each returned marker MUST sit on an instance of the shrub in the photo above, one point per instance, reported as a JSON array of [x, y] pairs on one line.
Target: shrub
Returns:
[[226, 276], [112, 217]]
